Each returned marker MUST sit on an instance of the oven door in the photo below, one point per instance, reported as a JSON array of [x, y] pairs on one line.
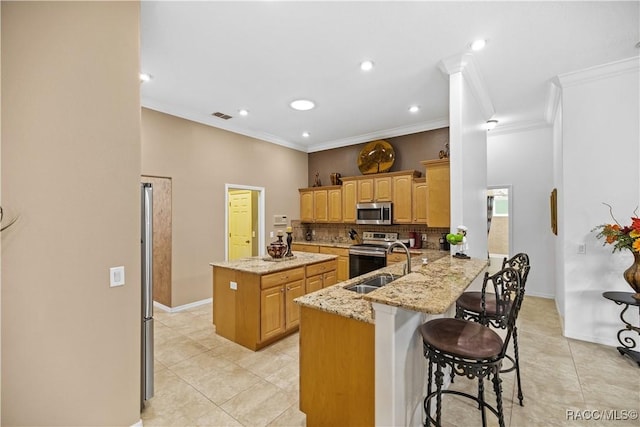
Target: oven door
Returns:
[[361, 262]]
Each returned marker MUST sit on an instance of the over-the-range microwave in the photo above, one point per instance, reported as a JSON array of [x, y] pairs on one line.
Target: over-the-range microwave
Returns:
[[374, 213]]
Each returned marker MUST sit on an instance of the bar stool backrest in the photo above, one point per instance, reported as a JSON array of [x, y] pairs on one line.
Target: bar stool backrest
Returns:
[[508, 294]]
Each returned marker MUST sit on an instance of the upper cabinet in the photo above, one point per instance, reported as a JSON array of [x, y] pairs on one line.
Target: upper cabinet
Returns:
[[419, 205], [438, 193], [375, 189], [321, 204], [349, 199]]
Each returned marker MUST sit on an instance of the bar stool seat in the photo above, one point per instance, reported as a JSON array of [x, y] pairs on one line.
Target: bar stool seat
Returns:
[[462, 338]]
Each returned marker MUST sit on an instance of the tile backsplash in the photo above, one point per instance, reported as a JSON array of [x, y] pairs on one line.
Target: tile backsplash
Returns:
[[339, 233]]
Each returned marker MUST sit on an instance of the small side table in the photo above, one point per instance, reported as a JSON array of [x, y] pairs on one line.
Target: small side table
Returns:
[[626, 299]]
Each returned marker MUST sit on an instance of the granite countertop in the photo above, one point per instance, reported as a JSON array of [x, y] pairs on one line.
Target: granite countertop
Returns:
[[429, 288], [258, 265]]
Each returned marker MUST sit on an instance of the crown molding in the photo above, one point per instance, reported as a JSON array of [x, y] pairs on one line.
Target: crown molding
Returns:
[[599, 72], [220, 124], [385, 133], [465, 64]]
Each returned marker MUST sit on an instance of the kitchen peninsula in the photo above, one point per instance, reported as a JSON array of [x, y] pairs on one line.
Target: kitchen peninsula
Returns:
[[253, 297], [361, 359]]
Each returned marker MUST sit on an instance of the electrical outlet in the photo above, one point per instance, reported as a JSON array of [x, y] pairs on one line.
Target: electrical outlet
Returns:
[[271, 234], [424, 237], [582, 248], [233, 285]]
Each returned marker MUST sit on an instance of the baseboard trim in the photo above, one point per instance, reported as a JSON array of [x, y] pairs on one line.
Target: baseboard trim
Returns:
[[182, 307]]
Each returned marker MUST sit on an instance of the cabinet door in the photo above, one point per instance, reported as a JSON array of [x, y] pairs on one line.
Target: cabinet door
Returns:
[[292, 310], [329, 278], [320, 202], [419, 208], [349, 200], [306, 205], [314, 283], [272, 309], [343, 269], [365, 190], [383, 191], [438, 194], [402, 186], [334, 209]]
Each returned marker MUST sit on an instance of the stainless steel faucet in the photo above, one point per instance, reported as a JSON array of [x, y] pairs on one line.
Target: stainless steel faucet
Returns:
[[406, 250]]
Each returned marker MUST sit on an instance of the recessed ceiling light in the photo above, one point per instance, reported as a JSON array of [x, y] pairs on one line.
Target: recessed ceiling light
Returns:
[[414, 109], [243, 112], [478, 44], [366, 65], [144, 77], [302, 104], [306, 134], [491, 124]]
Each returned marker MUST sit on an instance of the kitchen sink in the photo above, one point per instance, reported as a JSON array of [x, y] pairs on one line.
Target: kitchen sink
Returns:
[[372, 283]]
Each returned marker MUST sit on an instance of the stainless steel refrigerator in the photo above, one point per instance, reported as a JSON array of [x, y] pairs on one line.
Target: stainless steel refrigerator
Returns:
[[146, 385]]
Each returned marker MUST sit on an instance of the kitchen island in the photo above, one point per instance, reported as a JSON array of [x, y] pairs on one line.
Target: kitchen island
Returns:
[[361, 359], [253, 297]]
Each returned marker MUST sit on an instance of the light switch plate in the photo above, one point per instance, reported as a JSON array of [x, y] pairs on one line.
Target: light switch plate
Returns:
[[116, 275]]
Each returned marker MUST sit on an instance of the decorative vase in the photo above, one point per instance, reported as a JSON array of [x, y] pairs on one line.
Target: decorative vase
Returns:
[[632, 275], [277, 249]]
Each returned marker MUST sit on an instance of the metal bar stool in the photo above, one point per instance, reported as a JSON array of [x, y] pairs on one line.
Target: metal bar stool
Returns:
[[472, 349], [468, 308]]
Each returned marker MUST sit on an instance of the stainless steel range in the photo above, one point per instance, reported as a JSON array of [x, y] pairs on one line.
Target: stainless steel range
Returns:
[[371, 254]]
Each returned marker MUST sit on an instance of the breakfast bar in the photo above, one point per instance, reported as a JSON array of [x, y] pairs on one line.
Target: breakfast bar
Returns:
[[360, 355]]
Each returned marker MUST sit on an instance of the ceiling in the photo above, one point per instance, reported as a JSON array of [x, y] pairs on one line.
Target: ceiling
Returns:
[[207, 57]]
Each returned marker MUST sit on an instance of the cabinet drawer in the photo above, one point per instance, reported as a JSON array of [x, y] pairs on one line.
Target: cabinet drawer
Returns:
[[303, 247], [281, 277], [321, 267], [334, 251]]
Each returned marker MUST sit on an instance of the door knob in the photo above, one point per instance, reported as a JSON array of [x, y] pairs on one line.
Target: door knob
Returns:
[[247, 241]]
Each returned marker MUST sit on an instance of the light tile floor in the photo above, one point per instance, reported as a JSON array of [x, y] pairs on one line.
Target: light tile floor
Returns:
[[203, 379]]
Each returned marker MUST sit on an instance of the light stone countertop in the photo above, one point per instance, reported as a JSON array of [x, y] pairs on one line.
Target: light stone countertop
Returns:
[[430, 288], [258, 265]]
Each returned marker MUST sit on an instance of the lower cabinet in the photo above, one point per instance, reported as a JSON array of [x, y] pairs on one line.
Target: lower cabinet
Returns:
[[321, 275], [337, 369], [256, 310], [342, 272], [342, 268], [278, 313]]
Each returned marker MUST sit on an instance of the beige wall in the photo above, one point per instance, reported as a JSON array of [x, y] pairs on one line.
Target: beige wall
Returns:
[[409, 150], [201, 160], [70, 168]]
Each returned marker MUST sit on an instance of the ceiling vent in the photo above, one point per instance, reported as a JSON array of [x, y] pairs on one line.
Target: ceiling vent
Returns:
[[222, 115]]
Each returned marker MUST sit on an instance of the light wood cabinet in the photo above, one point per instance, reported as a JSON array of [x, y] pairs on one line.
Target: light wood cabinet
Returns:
[[402, 200], [337, 369], [322, 204], [255, 310], [278, 313], [438, 193], [306, 205], [342, 271], [334, 205], [419, 205], [305, 247], [378, 189], [349, 200], [321, 275]]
